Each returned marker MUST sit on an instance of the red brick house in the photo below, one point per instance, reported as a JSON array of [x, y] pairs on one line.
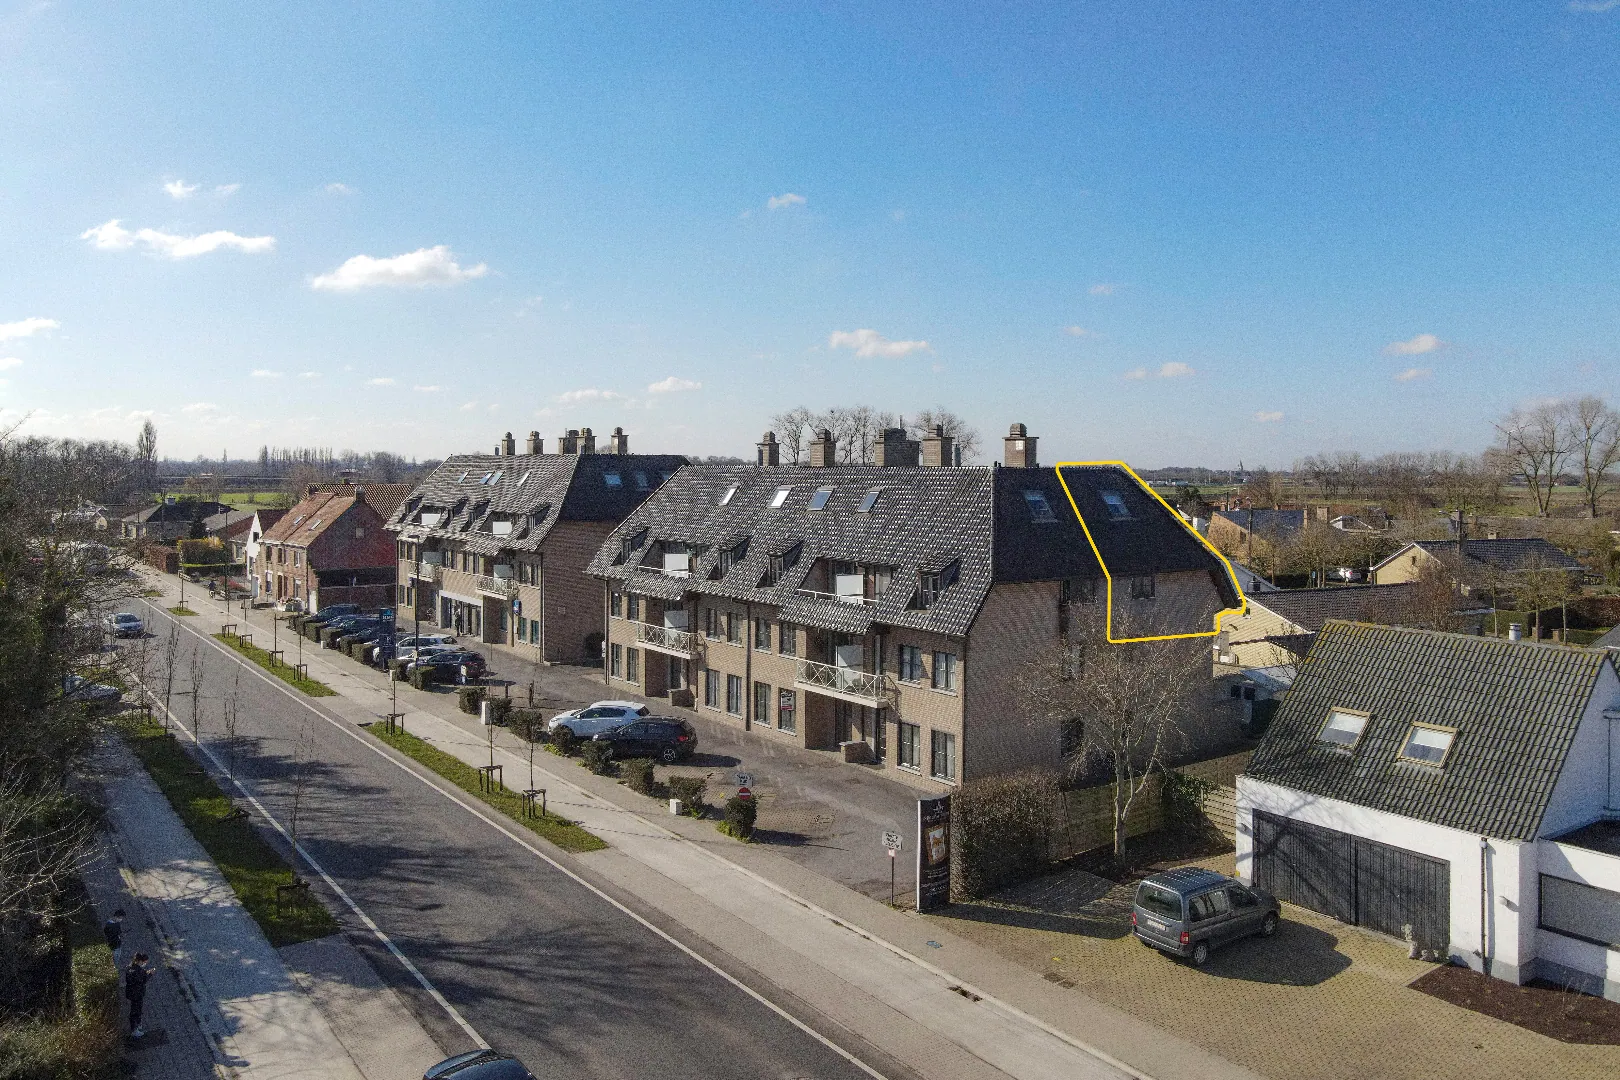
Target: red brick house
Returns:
[[330, 549]]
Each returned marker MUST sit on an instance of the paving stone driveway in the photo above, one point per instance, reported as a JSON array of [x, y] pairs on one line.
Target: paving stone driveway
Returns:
[[1320, 1001]]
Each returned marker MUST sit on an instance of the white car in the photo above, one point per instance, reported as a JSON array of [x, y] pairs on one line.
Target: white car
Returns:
[[126, 624], [598, 716]]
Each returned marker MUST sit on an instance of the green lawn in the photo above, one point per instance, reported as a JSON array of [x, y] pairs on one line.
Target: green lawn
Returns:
[[251, 866], [181, 609], [558, 830], [285, 672]]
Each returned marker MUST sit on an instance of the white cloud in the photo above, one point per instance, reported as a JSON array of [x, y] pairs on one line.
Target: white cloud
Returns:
[[589, 394], [1103, 289], [427, 389], [424, 266], [339, 189], [1414, 373], [309, 374], [9, 362], [1423, 343], [872, 343], [1175, 369], [1079, 331], [470, 406], [1136, 373], [26, 328], [265, 373], [380, 381], [226, 190], [114, 237], [1267, 417], [777, 202], [179, 189], [673, 385]]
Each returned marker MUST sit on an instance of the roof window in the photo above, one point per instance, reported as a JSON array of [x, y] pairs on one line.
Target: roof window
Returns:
[[612, 479], [496, 477], [485, 478], [1343, 728], [464, 474], [523, 480], [868, 501], [1428, 744], [299, 520], [780, 497], [641, 481], [314, 524], [730, 491], [818, 501], [1039, 508], [1115, 502]]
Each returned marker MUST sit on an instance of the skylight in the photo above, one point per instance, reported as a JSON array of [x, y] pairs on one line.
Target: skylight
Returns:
[[314, 524], [730, 491], [868, 501], [496, 478], [818, 501], [464, 476], [1039, 508], [299, 520], [1430, 745], [641, 481], [1343, 728], [524, 480], [613, 479], [780, 497], [485, 478], [1115, 502]]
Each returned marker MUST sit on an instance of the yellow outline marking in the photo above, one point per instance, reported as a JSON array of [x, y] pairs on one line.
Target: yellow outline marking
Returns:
[[1243, 603]]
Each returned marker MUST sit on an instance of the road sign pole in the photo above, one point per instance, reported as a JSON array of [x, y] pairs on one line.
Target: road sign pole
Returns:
[[891, 876]]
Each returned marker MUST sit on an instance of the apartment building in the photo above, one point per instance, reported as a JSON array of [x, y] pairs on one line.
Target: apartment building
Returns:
[[494, 547], [330, 548], [885, 611]]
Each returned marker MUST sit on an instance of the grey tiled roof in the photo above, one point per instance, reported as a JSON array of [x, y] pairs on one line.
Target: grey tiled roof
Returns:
[[1312, 608], [1515, 707], [538, 490], [925, 519], [1508, 554], [1266, 522], [1611, 640]]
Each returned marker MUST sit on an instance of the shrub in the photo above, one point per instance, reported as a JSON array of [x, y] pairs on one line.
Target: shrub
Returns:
[[396, 668], [468, 698], [690, 791], [424, 677], [1001, 829], [1183, 798], [638, 775], [527, 724], [564, 742], [740, 815], [500, 709], [359, 649], [597, 757]]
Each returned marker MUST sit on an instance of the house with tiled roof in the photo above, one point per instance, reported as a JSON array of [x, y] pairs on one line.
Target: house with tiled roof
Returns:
[[171, 519], [1279, 626], [494, 546], [1473, 560], [886, 610], [1457, 791], [330, 548]]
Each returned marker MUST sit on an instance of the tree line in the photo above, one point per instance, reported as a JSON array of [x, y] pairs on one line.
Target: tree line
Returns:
[[857, 430]]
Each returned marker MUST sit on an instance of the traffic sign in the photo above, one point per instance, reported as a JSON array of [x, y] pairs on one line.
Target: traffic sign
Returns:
[[892, 841], [745, 779], [744, 793]]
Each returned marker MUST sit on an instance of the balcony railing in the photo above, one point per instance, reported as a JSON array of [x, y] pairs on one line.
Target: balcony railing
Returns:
[[666, 571], [429, 572], [667, 639], [850, 684], [842, 598], [495, 586]]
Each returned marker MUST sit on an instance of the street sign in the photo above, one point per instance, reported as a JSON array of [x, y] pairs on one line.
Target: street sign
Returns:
[[745, 779], [386, 613], [744, 793], [892, 841]]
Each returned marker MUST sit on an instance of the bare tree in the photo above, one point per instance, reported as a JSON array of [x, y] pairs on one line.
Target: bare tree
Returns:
[[1594, 430], [303, 761], [196, 671], [789, 428], [1540, 587], [146, 456], [169, 657], [1537, 442], [1262, 490], [44, 838], [965, 437], [228, 715]]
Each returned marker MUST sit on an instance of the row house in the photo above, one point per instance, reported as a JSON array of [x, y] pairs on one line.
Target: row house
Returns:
[[494, 547], [886, 611], [331, 548]]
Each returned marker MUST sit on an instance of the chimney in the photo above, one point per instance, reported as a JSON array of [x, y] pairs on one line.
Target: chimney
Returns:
[[938, 448], [895, 450], [1515, 631], [568, 442], [1019, 448], [360, 494], [587, 441], [770, 451], [508, 446], [535, 445], [1321, 513], [312, 489], [618, 442], [823, 451]]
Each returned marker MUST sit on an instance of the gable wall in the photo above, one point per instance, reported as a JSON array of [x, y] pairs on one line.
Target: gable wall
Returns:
[[1582, 791]]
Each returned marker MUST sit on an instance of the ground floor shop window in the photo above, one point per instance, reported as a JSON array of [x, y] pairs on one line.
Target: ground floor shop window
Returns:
[[711, 688], [632, 665], [787, 711], [762, 703], [943, 765], [910, 746]]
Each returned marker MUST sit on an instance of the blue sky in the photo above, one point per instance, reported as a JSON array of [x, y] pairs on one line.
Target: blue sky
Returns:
[[1172, 233]]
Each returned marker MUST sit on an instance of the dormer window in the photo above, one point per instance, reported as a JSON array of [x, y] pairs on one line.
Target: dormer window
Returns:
[[1428, 744], [777, 565], [818, 501], [931, 584], [731, 557], [730, 491], [1114, 502], [1039, 508], [1343, 728], [780, 497], [868, 501]]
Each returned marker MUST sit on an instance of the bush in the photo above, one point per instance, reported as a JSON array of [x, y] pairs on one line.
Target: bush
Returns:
[[359, 649], [1183, 798], [527, 724], [1001, 829], [500, 710], [638, 776], [564, 742], [597, 757], [424, 677], [690, 790], [396, 668], [740, 815], [468, 698]]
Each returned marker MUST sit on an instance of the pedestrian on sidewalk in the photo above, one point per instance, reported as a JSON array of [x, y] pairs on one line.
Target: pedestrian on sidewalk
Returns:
[[113, 931], [135, 980]]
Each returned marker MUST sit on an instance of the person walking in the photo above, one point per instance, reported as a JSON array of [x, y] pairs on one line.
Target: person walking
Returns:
[[113, 931], [136, 977]]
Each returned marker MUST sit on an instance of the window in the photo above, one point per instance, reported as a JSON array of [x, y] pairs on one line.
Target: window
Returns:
[[632, 607], [1142, 588], [818, 501], [1159, 900], [734, 695], [1343, 728], [632, 665], [523, 628], [868, 501], [762, 635], [463, 478], [711, 688], [779, 498], [731, 557], [1428, 744], [911, 667], [787, 639], [1071, 737], [1580, 911], [1039, 508], [616, 661], [943, 763], [762, 703], [612, 479], [932, 583], [734, 628], [910, 746], [779, 563], [1114, 502], [1079, 590], [524, 480], [944, 671], [534, 631], [786, 710], [711, 623], [641, 481], [730, 491]]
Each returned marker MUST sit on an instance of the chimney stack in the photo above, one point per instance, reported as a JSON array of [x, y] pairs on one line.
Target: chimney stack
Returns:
[[568, 442], [618, 442], [895, 450], [1019, 448], [770, 451], [1515, 631], [508, 445], [823, 451], [938, 448], [587, 441], [536, 445]]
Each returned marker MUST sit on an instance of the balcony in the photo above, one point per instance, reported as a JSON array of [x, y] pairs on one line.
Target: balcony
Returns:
[[503, 587], [432, 573], [839, 598], [844, 683], [667, 639], [665, 571]]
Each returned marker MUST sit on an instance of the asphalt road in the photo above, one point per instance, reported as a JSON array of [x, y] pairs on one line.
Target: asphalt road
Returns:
[[542, 967]]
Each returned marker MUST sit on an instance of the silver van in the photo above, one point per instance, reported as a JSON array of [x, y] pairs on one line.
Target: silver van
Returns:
[[1189, 910]]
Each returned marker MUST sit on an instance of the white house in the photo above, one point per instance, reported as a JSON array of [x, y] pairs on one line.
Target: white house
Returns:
[[258, 578], [1460, 791]]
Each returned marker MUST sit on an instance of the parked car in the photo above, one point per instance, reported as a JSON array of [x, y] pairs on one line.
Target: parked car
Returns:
[[126, 624], [79, 688], [479, 1065], [1189, 911], [333, 611], [465, 665], [588, 720], [666, 738], [405, 646]]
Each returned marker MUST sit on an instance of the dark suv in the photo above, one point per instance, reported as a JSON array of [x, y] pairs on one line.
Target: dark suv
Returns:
[[1189, 910], [666, 738]]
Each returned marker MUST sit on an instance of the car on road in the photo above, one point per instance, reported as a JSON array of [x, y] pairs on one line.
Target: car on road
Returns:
[[588, 720], [79, 688], [666, 738], [483, 1064], [1188, 911], [126, 624]]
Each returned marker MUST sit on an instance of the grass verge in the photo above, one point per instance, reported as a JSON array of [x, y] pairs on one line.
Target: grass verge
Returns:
[[560, 831], [251, 866], [285, 672], [181, 609]]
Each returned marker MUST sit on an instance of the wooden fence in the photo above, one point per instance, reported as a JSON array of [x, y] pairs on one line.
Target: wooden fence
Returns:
[[1084, 817]]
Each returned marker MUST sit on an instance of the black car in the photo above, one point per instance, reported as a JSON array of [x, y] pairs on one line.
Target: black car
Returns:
[[463, 665], [666, 738], [333, 611], [479, 1065]]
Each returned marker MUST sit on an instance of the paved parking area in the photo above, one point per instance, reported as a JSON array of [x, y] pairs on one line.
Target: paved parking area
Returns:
[[1319, 1001]]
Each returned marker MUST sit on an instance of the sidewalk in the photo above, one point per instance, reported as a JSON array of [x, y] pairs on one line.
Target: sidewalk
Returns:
[[254, 1014], [946, 1007]]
